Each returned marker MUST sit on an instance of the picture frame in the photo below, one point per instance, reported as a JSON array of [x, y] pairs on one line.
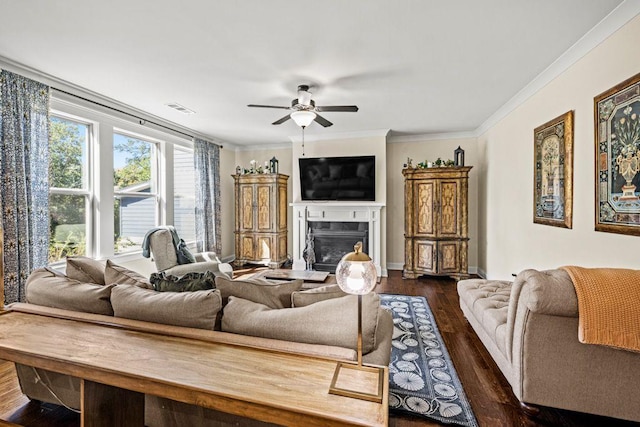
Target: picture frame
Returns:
[[553, 172], [617, 158]]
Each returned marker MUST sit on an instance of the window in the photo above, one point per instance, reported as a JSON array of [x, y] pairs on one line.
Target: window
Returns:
[[184, 194], [135, 191], [69, 188]]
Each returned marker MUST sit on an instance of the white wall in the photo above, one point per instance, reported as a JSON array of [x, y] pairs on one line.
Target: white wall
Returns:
[[397, 153], [509, 241]]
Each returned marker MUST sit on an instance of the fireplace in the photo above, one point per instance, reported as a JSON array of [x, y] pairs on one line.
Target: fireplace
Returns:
[[330, 241], [339, 225]]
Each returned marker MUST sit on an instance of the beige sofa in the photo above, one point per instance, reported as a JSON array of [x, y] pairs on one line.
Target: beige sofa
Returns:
[[530, 328], [276, 316]]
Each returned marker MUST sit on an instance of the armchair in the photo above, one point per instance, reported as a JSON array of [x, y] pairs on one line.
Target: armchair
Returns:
[[164, 255]]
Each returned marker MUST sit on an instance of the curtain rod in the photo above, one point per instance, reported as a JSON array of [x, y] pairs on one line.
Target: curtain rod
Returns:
[[142, 121]]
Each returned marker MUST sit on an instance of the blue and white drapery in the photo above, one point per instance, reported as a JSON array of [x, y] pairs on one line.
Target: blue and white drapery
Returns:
[[24, 179], [206, 157]]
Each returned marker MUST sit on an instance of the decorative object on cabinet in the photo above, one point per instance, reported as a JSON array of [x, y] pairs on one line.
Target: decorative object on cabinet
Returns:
[[458, 157], [617, 141], [273, 165], [553, 172], [261, 219], [435, 223]]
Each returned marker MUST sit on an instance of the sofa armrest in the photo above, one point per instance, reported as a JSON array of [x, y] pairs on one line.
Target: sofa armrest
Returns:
[[549, 292]]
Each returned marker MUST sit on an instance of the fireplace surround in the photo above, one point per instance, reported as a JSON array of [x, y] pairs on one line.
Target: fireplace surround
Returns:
[[337, 214]]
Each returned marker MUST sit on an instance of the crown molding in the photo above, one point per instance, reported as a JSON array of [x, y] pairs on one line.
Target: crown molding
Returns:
[[432, 137], [380, 133], [611, 23], [281, 146]]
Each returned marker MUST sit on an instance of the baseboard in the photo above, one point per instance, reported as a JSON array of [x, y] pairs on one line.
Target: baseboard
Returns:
[[480, 272]]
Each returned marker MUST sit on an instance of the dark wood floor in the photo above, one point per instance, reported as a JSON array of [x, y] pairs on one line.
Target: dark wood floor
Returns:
[[489, 393]]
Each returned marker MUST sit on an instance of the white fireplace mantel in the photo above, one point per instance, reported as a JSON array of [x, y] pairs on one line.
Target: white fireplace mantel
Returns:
[[304, 212]]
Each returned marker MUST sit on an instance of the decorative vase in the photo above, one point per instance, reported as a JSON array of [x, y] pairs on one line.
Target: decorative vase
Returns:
[[628, 167]]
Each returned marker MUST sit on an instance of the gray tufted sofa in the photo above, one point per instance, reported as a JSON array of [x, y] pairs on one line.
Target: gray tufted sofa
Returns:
[[530, 328]]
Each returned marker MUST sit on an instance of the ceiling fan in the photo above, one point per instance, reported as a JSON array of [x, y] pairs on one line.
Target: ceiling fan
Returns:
[[305, 110]]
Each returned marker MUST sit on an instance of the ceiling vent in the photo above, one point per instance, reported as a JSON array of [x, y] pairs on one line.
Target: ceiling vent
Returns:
[[181, 108]]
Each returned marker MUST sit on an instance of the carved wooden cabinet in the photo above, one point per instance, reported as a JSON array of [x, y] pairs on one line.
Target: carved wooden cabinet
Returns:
[[435, 221], [261, 218]]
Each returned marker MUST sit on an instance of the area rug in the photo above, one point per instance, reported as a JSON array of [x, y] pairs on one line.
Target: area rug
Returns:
[[422, 379]]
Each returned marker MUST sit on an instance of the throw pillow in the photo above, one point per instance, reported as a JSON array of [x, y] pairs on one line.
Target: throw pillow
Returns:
[[311, 296], [119, 275], [194, 281], [86, 270], [50, 289], [329, 322], [273, 295], [190, 309]]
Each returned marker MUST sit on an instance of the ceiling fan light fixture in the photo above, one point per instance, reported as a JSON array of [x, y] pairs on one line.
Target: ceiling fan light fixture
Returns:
[[303, 118]]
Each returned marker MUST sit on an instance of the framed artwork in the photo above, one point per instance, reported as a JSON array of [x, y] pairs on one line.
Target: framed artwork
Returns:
[[553, 172], [617, 144]]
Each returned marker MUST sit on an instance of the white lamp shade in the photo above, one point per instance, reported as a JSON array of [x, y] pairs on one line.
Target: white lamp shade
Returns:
[[303, 118]]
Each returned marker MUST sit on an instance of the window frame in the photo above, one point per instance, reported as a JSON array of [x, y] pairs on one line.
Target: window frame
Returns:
[[104, 124], [88, 192]]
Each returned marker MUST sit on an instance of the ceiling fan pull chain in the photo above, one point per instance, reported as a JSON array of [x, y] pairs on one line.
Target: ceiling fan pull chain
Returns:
[[302, 127]]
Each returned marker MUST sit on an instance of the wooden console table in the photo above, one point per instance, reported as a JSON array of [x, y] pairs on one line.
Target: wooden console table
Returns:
[[118, 366]]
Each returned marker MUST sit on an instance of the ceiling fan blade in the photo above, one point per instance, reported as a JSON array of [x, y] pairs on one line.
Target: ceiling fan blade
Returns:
[[322, 121], [350, 108], [282, 120], [267, 106]]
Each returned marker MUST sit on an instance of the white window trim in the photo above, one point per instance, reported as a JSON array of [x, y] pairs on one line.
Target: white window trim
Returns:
[[103, 126]]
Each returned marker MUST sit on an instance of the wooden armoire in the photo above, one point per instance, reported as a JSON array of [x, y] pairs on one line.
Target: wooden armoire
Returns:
[[436, 230], [261, 218]]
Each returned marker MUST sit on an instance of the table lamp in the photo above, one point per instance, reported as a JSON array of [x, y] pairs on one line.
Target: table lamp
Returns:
[[356, 274]]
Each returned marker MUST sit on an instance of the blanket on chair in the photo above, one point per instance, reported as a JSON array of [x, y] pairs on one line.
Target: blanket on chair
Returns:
[[608, 305]]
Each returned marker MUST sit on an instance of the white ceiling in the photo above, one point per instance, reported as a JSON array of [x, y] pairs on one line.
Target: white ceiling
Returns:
[[413, 66]]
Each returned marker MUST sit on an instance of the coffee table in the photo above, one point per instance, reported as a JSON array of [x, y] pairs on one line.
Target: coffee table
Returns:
[[118, 365], [285, 274]]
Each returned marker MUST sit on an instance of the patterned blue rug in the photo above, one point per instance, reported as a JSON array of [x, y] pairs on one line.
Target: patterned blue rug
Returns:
[[422, 379]]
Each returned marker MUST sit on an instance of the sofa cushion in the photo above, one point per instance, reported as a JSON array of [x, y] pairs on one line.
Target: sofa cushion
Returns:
[[191, 309], [311, 296], [119, 275], [273, 295], [328, 322], [488, 300], [194, 281], [48, 288], [85, 269]]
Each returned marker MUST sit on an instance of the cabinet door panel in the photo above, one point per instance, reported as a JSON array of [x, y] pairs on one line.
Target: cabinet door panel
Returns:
[[282, 247], [246, 208], [426, 256], [263, 247], [449, 193], [282, 208], [448, 261], [264, 205], [425, 193], [246, 249]]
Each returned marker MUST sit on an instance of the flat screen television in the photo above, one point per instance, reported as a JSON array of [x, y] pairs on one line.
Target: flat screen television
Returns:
[[338, 178]]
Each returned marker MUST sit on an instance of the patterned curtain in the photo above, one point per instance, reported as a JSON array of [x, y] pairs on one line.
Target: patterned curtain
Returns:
[[24, 179], [206, 157]]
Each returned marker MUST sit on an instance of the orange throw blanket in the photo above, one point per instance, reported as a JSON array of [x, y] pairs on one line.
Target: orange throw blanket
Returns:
[[608, 306]]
